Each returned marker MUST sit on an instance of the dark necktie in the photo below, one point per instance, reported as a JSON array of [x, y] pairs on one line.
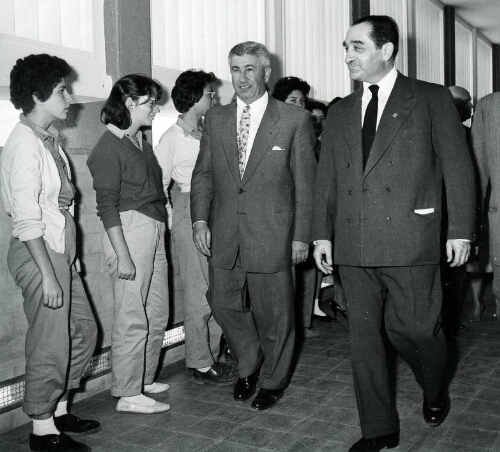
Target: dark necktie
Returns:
[[370, 123]]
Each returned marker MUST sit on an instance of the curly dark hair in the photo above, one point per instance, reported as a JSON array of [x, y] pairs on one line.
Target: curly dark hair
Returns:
[[284, 86], [189, 87], [316, 105], [115, 111], [38, 75]]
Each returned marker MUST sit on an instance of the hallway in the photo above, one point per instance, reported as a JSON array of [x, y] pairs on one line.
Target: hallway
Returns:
[[318, 411]]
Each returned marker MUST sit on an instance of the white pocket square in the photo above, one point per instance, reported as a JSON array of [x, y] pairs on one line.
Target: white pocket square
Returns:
[[424, 211], [277, 148]]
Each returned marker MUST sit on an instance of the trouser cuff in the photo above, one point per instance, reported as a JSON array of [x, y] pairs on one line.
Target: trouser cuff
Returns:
[[379, 428]]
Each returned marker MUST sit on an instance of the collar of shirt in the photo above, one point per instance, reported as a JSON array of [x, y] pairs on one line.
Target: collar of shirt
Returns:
[[385, 88], [187, 129], [117, 132], [51, 134]]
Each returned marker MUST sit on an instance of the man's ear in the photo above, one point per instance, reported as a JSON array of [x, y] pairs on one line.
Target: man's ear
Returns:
[[387, 51], [268, 73]]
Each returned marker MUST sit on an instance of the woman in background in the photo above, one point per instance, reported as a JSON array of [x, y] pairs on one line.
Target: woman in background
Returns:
[[131, 205]]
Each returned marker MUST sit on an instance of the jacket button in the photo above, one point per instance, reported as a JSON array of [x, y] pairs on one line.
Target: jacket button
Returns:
[[388, 189], [390, 163], [348, 165], [348, 220], [349, 191], [240, 191], [389, 218]]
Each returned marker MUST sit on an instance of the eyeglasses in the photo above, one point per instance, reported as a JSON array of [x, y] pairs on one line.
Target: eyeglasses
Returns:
[[212, 94]]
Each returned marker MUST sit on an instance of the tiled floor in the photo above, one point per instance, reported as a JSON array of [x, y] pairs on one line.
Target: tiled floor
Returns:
[[318, 411]]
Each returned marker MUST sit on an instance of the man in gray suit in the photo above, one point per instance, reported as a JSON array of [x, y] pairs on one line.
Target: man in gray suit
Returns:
[[486, 147], [386, 149], [251, 207]]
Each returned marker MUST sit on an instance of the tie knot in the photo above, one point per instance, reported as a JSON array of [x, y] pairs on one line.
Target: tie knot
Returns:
[[374, 90]]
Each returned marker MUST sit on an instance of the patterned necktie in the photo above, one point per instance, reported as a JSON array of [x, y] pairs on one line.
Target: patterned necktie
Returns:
[[243, 129], [370, 123]]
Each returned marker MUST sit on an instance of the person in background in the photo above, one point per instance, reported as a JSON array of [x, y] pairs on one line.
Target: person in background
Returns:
[[177, 150], [386, 150], [294, 91], [318, 115], [38, 194], [251, 205], [486, 148], [131, 205]]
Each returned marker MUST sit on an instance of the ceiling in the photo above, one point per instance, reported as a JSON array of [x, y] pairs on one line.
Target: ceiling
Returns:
[[481, 14]]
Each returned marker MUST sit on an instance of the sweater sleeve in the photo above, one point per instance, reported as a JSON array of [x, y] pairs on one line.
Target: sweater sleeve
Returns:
[[105, 165]]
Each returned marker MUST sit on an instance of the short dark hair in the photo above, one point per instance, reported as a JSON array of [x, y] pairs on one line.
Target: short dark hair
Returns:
[[115, 111], [316, 105], [188, 89], [38, 75], [284, 86], [384, 30]]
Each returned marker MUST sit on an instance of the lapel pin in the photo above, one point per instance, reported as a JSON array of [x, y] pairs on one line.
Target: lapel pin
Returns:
[[395, 115]]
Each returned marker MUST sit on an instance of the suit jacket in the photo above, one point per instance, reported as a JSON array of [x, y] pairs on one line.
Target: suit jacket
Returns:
[[261, 214], [486, 148], [372, 214]]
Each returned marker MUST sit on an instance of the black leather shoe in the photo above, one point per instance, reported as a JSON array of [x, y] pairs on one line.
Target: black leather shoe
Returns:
[[376, 444], [245, 387], [435, 413], [266, 398], [324, 318], [75, 426], [56, 443], [219, 374]]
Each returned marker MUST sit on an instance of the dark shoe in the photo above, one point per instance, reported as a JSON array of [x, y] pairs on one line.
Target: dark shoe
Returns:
[[324, 318], [435, 413], [376, 444], [311, 332], [245, 387], [75, 426], [56, 443], [266, 398], [331, 308], [219, 374]]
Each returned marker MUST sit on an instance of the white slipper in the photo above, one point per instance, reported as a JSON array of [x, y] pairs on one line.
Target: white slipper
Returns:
[[134, 407], [156, 388]]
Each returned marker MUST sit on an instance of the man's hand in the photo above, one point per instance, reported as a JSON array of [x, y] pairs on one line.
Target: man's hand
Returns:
[[52, 292], [126, 268], [202, 238], [323, 256], [300, 251], [457, 252]]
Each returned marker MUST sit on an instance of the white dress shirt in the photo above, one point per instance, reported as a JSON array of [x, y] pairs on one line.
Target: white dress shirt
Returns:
[[257, 109]]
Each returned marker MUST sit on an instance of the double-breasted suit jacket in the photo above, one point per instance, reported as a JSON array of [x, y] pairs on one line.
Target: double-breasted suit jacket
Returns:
[[390, 213], [486, 148], [262, 213]]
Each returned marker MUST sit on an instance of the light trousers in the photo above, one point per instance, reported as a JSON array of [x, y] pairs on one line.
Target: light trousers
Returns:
[[59, 342], [141, 306], [202, 333]]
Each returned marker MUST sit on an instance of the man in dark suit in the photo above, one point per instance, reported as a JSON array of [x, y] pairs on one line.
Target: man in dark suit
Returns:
[[251, 207], [386, 149]]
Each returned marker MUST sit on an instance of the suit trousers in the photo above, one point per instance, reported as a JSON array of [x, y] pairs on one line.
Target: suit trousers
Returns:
[[256, 313], [202, 333], [306, 275], [141, 306], [406, 301], [59, 342]]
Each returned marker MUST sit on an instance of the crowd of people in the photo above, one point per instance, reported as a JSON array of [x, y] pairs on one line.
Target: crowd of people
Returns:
[[262, 197]]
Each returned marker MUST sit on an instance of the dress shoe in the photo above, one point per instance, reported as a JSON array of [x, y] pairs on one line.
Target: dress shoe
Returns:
[[376, 444], [324, 318], [245, 387], [56, 443], [156, 388], [311, 332], [435, 413], [133, 407], [266, 398], [219, 374], [68, 423]]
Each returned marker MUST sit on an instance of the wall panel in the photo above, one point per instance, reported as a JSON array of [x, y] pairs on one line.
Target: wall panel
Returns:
[[484, 68], [463, 57]]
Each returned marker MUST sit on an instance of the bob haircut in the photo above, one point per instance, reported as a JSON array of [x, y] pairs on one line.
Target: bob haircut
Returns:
[[135, 86], [384, 30], [251, 48], [188, 89], [35, 75], [284, 86], [316, 105]]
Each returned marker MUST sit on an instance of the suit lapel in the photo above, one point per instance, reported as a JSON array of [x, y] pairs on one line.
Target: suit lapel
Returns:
[[398, 108], [352, 130], [228, 133], [263, 140]]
